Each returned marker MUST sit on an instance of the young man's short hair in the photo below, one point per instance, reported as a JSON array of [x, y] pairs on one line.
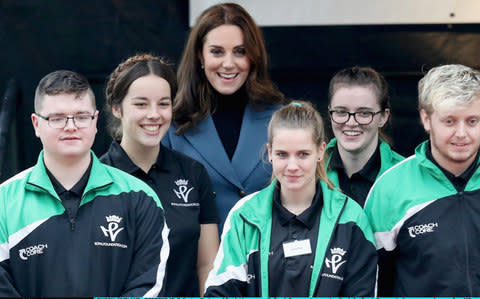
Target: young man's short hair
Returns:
[[448, 86], [62, 82]]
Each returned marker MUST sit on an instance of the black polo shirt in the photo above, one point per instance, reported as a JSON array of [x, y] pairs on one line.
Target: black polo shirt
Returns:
[[71, 198], [459, 182], [183, 186], [358, 185], [290, 276]]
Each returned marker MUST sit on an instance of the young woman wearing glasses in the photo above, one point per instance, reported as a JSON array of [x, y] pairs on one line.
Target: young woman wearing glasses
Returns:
[[359, 108]]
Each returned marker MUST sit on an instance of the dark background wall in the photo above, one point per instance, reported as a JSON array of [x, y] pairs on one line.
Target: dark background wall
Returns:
[[93, 36]]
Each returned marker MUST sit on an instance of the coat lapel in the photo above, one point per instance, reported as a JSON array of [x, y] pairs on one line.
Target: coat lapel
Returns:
[[251, 145], [204, 138]]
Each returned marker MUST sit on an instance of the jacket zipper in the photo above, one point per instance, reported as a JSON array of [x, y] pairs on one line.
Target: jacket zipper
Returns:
[[72, 224], [467, 260], [70, 220], [260, 251], [317, 283]]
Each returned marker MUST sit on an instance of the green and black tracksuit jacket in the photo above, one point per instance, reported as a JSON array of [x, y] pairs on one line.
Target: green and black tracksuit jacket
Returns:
[[241, 265], [427, 232], [388, 158], [117, 247]]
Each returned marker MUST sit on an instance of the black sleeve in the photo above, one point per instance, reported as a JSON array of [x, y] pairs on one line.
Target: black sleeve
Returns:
[[386, 272], [359, 279], [147, 270], [7, 288]]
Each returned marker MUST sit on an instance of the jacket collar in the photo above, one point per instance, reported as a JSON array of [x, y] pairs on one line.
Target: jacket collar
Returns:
[[99, 177], [387, 158], [421, 156], [424, 161], [307, 217], [258, 212]]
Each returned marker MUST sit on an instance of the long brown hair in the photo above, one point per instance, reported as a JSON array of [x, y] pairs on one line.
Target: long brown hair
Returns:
[[301, 115], [194, 98], [123, 76]]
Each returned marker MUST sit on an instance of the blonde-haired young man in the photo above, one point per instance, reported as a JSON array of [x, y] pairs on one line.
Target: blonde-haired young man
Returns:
[[425, 211]]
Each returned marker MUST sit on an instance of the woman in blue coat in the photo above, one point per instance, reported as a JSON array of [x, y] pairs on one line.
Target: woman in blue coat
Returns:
[[224, 102]]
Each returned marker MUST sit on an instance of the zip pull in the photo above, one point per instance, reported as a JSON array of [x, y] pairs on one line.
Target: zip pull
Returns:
[[72, 223]]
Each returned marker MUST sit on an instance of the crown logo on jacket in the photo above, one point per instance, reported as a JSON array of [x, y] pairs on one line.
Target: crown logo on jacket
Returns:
[[338, 250], [181, 182], [114, 218]]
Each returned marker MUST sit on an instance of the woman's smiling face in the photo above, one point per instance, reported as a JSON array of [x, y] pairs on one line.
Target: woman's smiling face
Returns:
[[351, 136], [224, 59]]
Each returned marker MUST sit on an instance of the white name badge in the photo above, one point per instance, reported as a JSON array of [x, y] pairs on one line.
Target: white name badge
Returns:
[[297, 247]]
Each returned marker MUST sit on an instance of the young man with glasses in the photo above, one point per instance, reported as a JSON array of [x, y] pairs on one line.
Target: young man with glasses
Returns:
[[359, 153], [70, 225], [425, 210]]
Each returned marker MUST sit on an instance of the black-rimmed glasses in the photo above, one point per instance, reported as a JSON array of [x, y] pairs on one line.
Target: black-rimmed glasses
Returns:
[[361, 117], [59, 122]]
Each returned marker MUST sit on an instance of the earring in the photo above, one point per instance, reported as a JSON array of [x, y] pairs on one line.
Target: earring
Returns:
[[202, 66]]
